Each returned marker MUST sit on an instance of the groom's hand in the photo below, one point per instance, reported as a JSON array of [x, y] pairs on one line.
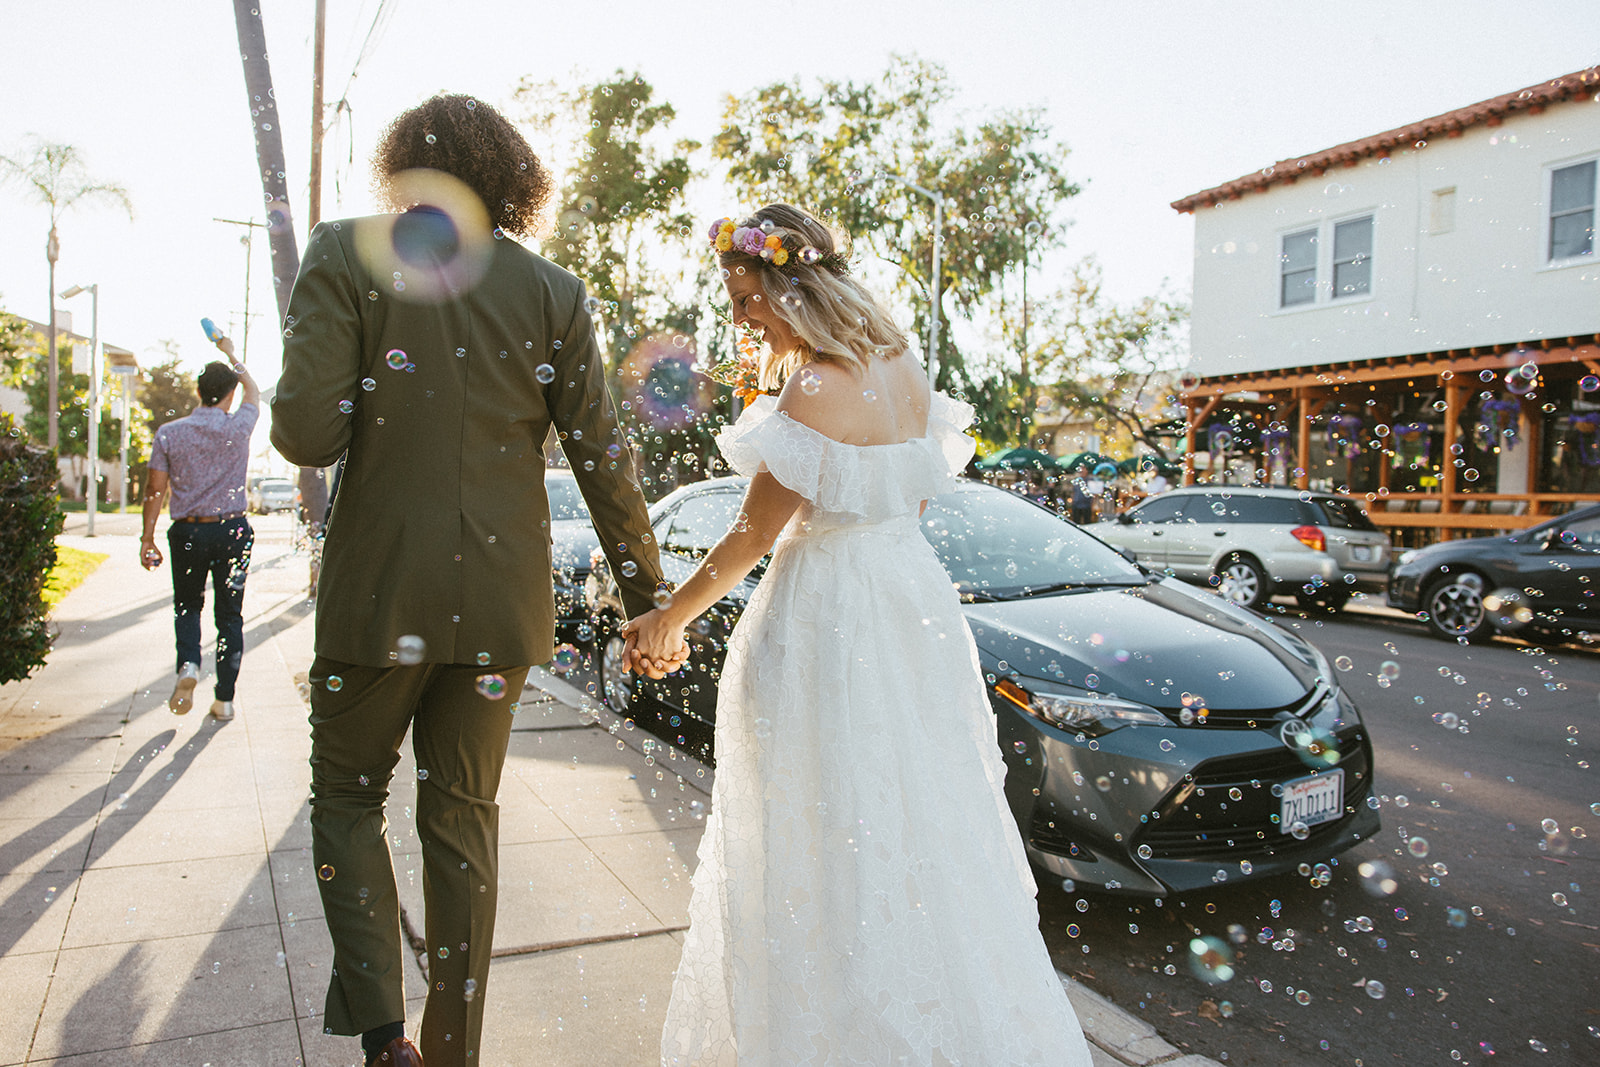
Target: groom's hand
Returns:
[[649, 666]]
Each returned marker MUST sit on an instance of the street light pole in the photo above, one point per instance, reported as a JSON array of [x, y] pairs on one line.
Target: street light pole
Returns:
[[934, 279], [249, 236], [52, 252], [94, 393]]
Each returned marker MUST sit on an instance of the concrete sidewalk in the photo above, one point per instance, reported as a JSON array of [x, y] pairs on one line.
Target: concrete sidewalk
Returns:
[[157, 900]]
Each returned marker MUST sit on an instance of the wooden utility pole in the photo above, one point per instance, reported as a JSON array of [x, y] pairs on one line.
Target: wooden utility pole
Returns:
[[314, 213]]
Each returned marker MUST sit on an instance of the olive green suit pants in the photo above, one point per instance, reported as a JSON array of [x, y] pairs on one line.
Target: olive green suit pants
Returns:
[[459, 731]]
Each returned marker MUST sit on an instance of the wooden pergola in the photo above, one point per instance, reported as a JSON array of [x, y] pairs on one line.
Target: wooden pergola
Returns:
[[1296, 397]]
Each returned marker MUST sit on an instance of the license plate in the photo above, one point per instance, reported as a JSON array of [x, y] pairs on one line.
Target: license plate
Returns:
[[1363, 552], [1312, 800]]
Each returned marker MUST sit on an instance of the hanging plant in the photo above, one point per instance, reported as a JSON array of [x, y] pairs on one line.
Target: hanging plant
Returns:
[[1586, 428], [1497, 424], [1219, 438], [1414, 438], [1342, 432]]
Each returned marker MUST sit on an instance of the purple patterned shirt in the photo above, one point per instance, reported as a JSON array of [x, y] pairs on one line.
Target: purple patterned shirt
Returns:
[[205, 455]]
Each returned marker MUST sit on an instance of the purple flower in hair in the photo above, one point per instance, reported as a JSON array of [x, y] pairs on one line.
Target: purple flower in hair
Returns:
[[749, 240]]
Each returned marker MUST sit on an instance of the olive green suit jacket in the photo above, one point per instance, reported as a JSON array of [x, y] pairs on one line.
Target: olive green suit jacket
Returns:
[[441, 525]]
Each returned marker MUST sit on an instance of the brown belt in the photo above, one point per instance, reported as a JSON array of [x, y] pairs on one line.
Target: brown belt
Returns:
[[229, 517]]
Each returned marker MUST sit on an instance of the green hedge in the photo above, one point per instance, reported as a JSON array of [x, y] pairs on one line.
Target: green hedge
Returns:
[[30, 518]]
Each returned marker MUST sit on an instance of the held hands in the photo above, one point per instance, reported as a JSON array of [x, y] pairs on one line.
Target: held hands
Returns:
[[655, 646]]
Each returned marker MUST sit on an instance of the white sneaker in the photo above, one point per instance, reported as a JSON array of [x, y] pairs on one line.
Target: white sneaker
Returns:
[[182, 698], [222, 710]]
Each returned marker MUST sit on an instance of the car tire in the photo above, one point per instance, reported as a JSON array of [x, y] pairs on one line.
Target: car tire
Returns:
[[1240, 579], [617, 683], [1454, 605]]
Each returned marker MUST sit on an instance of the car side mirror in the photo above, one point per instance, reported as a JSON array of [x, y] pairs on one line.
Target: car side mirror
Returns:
[[1125, 518], [1129, 555]]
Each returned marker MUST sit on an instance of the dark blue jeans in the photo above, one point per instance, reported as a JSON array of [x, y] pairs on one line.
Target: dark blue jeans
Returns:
[[222, 550]]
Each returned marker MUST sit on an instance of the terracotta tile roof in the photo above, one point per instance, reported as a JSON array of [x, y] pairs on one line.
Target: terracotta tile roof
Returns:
[[1534, 99]]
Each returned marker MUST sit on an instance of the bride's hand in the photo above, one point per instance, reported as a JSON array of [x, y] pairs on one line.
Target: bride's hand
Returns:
[[655, 647]]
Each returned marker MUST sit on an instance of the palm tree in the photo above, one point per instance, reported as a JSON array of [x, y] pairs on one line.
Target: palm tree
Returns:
[[56, 175]]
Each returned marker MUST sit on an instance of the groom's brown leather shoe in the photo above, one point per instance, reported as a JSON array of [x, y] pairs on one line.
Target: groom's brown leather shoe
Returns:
[[399, 1053]]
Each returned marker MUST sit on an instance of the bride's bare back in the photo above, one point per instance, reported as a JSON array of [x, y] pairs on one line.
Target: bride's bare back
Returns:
[[884, 404]]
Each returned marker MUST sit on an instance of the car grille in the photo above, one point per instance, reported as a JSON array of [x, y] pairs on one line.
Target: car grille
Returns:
[[1201, 820], [1252, 718]]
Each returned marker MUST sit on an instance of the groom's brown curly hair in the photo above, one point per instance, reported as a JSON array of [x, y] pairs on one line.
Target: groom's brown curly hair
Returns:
[[469, 140]]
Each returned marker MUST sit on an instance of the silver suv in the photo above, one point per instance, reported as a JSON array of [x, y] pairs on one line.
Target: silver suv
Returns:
[[1249, 543]]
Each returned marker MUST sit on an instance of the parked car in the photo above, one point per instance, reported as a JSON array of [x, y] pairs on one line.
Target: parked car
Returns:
[[1250, 543], [572, 542], [1543, 578], [1157, 739], [272, 494]]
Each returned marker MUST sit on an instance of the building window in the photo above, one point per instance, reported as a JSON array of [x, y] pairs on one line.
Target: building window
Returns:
[[1352, 257], [1442, 211], [1299, 268], [1572, 202], [1347, 263]]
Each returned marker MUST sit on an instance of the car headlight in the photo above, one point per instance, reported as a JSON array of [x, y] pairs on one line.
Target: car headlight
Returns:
[[1091, 713]]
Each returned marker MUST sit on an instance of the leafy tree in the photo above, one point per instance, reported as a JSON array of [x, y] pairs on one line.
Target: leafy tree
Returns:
[[1117, 363], [624, 228], [21, 367], [834, 148], [56, 176], [166, 390], [619, 203]]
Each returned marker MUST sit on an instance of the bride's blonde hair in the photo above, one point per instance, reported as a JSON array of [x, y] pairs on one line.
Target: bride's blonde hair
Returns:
[[836, 318]]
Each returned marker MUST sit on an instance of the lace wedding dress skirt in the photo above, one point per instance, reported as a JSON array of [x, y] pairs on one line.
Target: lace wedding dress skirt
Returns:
[[862, 896]]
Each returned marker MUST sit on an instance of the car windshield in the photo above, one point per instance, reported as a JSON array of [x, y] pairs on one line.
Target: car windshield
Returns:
[[997, 545], [565, 500], [1344, 514]]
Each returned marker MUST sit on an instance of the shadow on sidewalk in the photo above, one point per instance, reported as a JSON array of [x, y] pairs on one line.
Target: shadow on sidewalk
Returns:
[[86, 810]]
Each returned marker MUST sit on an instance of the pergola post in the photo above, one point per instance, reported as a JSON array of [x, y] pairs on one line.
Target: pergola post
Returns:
[[1447, 467]]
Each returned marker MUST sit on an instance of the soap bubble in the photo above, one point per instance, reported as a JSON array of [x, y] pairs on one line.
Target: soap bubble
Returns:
[[491, 686], [810, 381], [334, 683], [1418, 847], [592, 305], [544, 374], [659, 379], [409, 650], [1375, 989], [346, 407], [564, 659], [443, 249], [1211, 960], [325, 872], [396, 359], [1508, 608]]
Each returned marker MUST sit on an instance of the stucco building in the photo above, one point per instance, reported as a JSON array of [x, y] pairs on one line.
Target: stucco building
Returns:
[[1412, 318]]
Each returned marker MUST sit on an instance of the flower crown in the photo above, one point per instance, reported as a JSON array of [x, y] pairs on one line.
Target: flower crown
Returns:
[[774, 244]]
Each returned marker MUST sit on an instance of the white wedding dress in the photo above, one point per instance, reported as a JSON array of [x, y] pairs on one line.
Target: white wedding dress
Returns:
[[862, 896]]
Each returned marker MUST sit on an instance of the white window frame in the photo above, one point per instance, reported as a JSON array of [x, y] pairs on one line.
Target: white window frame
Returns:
[[1547, 206], [1325, 295]]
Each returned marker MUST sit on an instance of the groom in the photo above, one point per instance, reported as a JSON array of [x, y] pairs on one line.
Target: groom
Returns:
[[435, 354]]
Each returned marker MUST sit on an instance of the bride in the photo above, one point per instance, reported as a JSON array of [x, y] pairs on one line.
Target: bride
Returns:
[[862, 895]]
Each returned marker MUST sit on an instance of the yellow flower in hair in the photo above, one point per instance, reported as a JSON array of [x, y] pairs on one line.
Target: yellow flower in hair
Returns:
[[724, 240], [780, 257], [773, 241]]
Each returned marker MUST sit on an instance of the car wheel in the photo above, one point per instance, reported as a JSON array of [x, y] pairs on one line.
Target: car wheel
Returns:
[[1241, 580], [1454, 604], [616, 681]]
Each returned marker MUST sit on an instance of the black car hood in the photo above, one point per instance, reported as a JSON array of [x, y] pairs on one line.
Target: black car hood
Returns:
[[571, 542], [1152, 644]]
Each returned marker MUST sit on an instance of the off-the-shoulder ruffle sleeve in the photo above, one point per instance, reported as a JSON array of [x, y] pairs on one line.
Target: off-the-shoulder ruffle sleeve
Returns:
[[762, 438], [948, 419], [872, 482]]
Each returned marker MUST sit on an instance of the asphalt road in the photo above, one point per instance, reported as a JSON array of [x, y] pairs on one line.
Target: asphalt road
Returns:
[[1487, 949]]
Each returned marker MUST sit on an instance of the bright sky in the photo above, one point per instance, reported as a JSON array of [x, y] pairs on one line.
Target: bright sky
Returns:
[[1156, 100]]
